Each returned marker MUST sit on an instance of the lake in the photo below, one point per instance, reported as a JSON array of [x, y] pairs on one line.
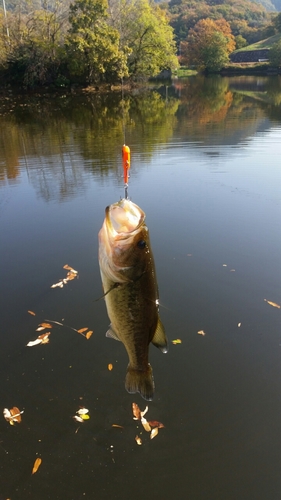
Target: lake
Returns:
[[206, 170]]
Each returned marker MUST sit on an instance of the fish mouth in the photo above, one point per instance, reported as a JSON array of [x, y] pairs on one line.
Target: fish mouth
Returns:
[[124, 218]]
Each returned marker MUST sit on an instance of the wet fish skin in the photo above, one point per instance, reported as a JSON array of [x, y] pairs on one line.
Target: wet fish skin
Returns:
[[131, 292]]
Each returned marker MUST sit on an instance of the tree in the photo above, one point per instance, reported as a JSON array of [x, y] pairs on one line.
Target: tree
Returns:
[[209, 44], [93, 45], [145, 30], [275, 54]]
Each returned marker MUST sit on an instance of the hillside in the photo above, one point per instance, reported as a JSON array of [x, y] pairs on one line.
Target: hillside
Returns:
[[261, 45]]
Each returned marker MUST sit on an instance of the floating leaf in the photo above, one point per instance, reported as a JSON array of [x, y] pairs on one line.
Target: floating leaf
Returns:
[[224, 265], [40, 328], [144, 411], [155, 423], [79, 419], [32, 313], [239, 324], [154, 432], [66, 266], [34, 342], [36, 465], [89, 334], [136, 411], [82, 411], [138, 440], [82, 330], [12, 415], [273, 304], [176, 341], [201, 332], [145, 424], [117, 426], [110, 366], [60, 284], [232, 271], [85, 416], [47, 325], [71, 276]]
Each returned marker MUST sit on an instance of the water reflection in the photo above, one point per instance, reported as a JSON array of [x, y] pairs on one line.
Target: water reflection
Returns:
[[58, 140]]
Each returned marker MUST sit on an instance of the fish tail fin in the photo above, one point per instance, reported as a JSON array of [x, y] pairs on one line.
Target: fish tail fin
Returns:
[[140, 381]]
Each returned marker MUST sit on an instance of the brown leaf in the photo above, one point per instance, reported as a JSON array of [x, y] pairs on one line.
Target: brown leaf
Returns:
[[136, 411], [44, 335], [66, 266], [89, 334], [82, 330], [46, 325], [110, 366], [36, 465], [138, 440], [118, 426], [32, 313], [154, 432], [273, 304], [155, 423], [71, 276]]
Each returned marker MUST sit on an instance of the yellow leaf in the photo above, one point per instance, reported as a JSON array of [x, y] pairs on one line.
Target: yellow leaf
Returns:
[[273, 304], [138, 440], [110, 367], [145, 424], [89, 334], [36, 465], [176, 341], [154, 432], [32, 313], [82, 330], [85, 416]]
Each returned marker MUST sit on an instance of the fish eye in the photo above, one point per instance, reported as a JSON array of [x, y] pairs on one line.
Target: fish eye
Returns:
[[141, 244]]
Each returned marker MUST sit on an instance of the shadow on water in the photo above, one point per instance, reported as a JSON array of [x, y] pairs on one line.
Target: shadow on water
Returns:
[[206, 170]]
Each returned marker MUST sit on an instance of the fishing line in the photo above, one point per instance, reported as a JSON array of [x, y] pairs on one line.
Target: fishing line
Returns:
[[126, 153]]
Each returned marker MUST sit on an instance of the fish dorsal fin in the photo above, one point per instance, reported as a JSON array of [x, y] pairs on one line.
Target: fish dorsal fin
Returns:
[[159, 338], [111, 334]]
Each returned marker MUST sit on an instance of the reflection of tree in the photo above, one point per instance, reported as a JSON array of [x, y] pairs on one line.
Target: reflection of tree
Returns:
[[53, 138]]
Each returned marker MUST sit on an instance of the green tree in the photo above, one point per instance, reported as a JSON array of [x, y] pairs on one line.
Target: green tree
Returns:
[[214, 54], [92, 44], [240, 42], [275, 54], [145, 29]]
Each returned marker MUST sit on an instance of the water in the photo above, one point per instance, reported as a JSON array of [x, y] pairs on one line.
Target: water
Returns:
[[206, 170]]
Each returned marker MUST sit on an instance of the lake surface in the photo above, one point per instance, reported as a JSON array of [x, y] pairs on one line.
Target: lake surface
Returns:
[[206, 169]]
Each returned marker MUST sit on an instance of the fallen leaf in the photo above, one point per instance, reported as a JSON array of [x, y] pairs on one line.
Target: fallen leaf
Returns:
[[118, 426], [138, 440], [82, 330], [40, 328], [47, 325], [145, 424], [36, 465], [85, 416], [32, 313], [176, 341], [66, 266], [110, 367], [232, 271], [239, 324], [136, 411], [144, 411], [12, 415], [82, 411], [201, 332], [79, 419], [60, 284], [155, 423], [224, 265], [71, 276], [34, 342], [89, 334], [273, 304], [44, 338], [154, 432]]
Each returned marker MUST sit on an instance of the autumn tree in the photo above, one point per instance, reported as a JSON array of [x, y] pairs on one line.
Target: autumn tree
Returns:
[[209, 44]]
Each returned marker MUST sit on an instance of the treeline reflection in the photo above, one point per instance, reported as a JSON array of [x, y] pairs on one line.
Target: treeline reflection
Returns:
[[58, 138]]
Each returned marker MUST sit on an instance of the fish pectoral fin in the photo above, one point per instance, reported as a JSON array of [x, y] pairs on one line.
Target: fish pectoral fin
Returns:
[[111, 334], [159, 337]]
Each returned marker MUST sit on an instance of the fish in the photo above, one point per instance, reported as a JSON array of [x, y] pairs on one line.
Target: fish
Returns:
[[130, 289]]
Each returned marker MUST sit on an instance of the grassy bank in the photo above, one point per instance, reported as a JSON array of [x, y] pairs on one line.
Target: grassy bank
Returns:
[[262, 44]]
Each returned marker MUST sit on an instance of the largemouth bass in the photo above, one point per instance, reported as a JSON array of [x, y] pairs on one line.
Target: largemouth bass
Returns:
[[131, 291]]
